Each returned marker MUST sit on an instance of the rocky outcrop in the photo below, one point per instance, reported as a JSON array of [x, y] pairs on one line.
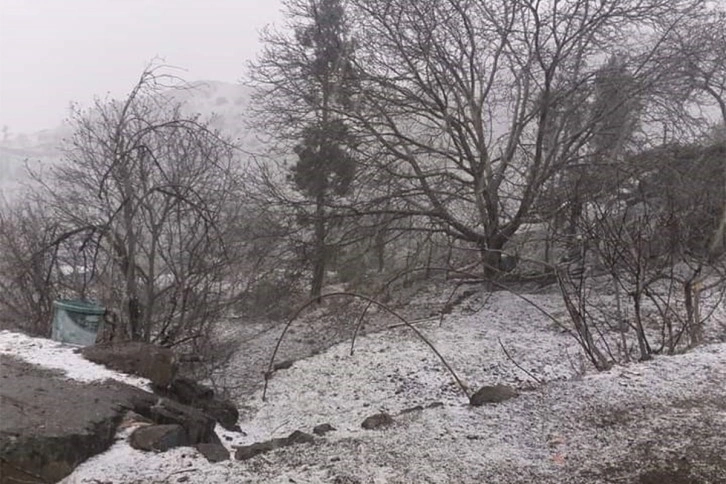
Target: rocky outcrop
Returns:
[[492, 394], [187, 391], [146, 360], [223, 411], [160, 366], [199, 427]]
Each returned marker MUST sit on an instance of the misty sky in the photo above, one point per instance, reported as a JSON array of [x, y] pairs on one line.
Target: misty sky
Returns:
[[56, 51]]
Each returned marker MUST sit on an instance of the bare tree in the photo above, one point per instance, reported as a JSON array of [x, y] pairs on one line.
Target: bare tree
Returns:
[[651, 237], [29, 275], [146, 193], [472, 108], [700, 51]]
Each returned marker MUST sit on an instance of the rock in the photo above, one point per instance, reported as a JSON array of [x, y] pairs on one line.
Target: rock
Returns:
[[492, 394], [300, 437], [246, 452], [223, 411], [69, 422], [189, 392], [416, 408], [213, 440], [213, 452], [158, 437], [377, 421], [133, 419], [135, 358], [323, 429], [199, 426], [283, 365]]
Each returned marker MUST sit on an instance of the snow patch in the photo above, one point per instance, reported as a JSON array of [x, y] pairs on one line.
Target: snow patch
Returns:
[[60, 356]]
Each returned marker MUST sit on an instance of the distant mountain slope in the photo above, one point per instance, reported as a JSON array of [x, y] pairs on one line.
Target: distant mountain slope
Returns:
[[15, 154], [225, 105]]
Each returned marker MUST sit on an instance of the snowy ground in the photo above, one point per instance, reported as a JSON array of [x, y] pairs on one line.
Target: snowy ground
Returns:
[[669, 413]]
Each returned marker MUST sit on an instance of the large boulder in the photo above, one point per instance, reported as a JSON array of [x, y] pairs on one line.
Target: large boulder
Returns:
[[147, 360]]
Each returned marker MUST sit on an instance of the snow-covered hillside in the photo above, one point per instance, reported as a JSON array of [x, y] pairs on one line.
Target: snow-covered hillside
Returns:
[[666, 417]]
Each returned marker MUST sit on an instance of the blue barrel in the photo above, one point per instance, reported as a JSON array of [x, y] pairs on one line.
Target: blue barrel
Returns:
[[77, 322]]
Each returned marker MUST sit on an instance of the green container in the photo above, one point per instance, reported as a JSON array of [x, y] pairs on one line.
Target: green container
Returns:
[[77, 322]]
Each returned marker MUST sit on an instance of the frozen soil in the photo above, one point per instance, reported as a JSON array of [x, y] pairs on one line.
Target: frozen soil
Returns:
[[660, 421]]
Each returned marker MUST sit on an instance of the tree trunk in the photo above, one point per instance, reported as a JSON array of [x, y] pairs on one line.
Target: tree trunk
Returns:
[[491, 256], [379, 244], [693, 317], [640, 331], [133, 305], [571, 233], [320, 250]]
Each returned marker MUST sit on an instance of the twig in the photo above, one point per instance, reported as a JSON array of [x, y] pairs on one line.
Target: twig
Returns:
[[418, 321], [182, 471], [517, 364]]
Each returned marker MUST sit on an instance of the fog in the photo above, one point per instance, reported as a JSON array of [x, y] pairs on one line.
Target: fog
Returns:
[[53, 52]]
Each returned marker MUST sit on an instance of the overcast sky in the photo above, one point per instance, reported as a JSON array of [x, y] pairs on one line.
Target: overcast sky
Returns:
[[56, 51]]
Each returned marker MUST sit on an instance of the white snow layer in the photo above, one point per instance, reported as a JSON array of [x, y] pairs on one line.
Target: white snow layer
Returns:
[[556, 428]]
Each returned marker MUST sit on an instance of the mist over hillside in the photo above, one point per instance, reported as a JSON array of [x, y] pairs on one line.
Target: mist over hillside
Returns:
[[19, 151], [224, 105]]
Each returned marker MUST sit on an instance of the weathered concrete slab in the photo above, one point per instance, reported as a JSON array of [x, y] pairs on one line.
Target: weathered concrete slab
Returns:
[[49, 424]]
